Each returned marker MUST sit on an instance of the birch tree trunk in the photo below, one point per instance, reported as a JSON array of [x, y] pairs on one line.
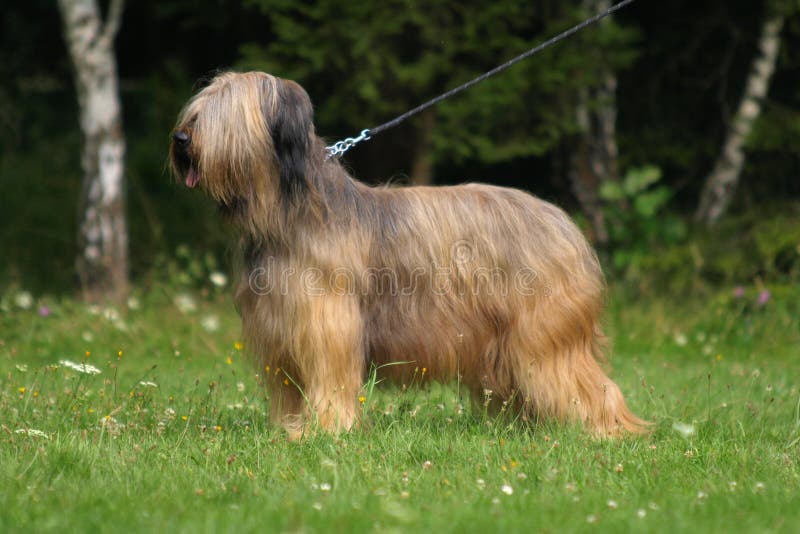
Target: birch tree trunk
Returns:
[[593, 159], [102, 261], [721, 184]]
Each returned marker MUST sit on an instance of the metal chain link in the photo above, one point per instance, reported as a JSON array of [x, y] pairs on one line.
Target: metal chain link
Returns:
[[340, 147]]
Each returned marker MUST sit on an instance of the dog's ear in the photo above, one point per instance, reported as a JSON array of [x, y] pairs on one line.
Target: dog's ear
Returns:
[[291, 128]]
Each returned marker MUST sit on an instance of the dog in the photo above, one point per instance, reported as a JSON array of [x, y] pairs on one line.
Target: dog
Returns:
[[488, 285]]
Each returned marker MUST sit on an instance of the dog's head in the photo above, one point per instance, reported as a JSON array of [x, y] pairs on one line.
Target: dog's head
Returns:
[[245, 139]]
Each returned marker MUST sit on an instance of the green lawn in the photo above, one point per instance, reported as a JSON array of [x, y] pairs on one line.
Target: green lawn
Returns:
[[171, 434]]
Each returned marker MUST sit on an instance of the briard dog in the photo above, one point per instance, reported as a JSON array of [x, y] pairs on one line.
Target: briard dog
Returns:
[[483, 284]]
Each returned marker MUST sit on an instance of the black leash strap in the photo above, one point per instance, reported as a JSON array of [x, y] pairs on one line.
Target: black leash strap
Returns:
[[339, 148]]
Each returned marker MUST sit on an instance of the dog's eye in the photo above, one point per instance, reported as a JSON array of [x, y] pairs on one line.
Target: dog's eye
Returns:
[[181, 138]]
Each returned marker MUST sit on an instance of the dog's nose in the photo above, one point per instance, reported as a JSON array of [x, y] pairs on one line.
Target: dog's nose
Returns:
[[180, 138]]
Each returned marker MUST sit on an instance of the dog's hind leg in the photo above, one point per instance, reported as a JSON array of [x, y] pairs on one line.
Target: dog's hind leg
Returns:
[[555, 350]]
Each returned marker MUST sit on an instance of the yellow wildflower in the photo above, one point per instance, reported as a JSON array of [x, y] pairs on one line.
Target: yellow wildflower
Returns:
[[229, 360], [362, 399], [238, 345], [22, 390]]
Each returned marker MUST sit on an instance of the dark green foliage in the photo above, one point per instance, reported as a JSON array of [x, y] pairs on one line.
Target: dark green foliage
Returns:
[[680, 67], [639, 224], [756, 247], [364, 63]]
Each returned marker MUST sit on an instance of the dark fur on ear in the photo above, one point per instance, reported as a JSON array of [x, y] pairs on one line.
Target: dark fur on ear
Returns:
[[291, 130]]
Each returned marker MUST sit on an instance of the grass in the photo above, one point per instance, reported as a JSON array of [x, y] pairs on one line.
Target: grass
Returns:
[[172, 434]]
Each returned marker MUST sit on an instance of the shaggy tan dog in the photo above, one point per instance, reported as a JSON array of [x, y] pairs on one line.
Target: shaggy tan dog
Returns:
[[487, 285]]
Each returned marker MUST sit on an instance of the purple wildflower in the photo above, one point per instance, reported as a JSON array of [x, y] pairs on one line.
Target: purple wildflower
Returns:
[[44, 311], [738, 292], [764, 297]]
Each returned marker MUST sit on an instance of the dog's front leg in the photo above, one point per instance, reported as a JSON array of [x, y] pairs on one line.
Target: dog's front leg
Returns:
[[330, 360]]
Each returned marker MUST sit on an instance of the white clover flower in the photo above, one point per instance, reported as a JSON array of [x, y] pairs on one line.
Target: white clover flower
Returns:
[[210, 323], [481, 483], [591, 518], [110, 314], [133, 303], [185, 303], [640, 513], [325, 487], [684, 429], [240, 387], [760, 486], [21, 367], [111, 425], [23, 300], [32, 432], [84, 368], [612, 504], [508, 490], [87, 336], [218, 279], [681, 340]]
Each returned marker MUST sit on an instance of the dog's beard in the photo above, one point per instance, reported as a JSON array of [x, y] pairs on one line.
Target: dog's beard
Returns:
[[232, 208]]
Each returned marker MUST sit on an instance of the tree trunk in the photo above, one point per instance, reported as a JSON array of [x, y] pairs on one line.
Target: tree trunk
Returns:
[[593, 159], [422, 166], [721, 184], [102, 261]]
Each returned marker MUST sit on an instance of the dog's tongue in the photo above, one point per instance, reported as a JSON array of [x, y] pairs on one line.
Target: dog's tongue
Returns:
[[192, 178]]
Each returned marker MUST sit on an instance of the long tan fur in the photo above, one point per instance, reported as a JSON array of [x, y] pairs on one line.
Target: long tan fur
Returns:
[[485, 284]]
